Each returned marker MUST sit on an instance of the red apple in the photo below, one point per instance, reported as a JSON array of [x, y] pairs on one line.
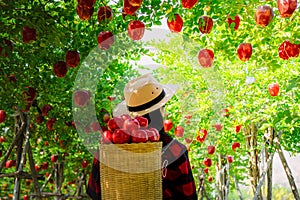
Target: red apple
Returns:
[[45, 109], [54, 158], [60, 69], [105, 40], [125, 116], [124, 14], [188, 3], [106, 118], [205, 170], [175, 24], [84, 164], [211, 149], [37, 168], [129, 8], [210, 178], [218, 127], [115, 123], [206, 57], [95, 126], [121, 136], [273, 89], [46, 143], [87, 129], [168, 124], [6, 48], [202, 135], [81, 98], [12, 78], [143, 122], [2, 116], [287, 50], [286, 7], [179, 130], [230, 159], [244, 51], [153, 134], [236, 22], [188, 140], [207, 162], [131, 124], [72, 58], [44, 165], [28, 34], [139, 135], [238, 128], [84, 13], [235, 145], [2, 139], [107, 137], [135, 2], [28, 182], [136, 29], [104, 13], [205, 24], [29, 95], [9, 164], [111, 98], [39, 119], [25, 197], [264, 15], [50, 123], [225, 112], [86, 3]]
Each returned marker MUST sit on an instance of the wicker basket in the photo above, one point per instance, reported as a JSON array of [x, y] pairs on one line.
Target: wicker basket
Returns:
[[131, 171]]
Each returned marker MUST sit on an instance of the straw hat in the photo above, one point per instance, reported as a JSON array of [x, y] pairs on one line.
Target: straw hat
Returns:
[[144, 95]]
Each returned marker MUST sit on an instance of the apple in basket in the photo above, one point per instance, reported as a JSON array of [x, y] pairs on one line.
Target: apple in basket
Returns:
[[121, 136], [138, 136], [153, 134], [115, 123], [107, 137]]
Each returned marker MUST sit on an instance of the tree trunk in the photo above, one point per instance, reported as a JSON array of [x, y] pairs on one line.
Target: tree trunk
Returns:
[[223, 180]]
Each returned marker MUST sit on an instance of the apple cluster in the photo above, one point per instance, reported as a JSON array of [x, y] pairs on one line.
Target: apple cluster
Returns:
[[125, 129]]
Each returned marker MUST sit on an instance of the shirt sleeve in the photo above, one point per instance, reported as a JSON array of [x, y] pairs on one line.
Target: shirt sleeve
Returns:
[[93, 188], [178, 183]]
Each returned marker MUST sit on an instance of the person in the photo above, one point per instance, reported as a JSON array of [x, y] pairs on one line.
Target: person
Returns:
[[145, 96]]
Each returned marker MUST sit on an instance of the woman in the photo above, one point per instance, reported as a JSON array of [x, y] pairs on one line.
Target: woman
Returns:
[[144, 96]]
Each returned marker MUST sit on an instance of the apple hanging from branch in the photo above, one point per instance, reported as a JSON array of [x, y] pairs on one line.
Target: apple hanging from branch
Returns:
[[236, 22], [136, 29], [264, 15], [81, 98], [104, 14], [205, 24], [60, 69], [72, 58], [206, 58], [273, 89], [188, 3], [179, 131], [175, 23], [286, 7], [28, 34], [244, 51], [105, 40], [2, 116], [84, 12]]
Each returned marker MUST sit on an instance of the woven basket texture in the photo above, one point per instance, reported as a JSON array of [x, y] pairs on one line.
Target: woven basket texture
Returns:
[[131, 171]]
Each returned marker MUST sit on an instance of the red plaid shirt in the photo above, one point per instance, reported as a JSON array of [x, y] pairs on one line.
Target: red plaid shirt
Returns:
[[178, 182]]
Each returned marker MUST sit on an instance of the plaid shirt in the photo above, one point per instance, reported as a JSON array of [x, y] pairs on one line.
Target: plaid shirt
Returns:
[[178, 182]]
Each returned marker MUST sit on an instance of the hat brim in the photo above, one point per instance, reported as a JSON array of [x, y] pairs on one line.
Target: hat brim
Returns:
[[169, 89]]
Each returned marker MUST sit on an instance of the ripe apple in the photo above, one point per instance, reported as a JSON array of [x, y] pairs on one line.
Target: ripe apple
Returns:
[[287, 50], [286, 7], [60, 69], [179, 130], [202, 135], [8, 163], [45, 109], [86, 3], [12, 77], [188, 140], [84, 164], [238, 128], [230, 159], [28, 182], [188, 3], [153, 134], [106, 118], [273, 89], [44, 165], [25, 197], [139, 135], [218, 127], [121, 136], [168, 124], [131, 124], [136, 29], [129, 8], [95, 126], [81, 98], [29, 95], [235, 145], [143, 122], [50, 123], [264, 15], [54, 158], [205, 170], [2, 116], [206, 57], [37, 168], [46, 143], [175, 24], [104, 13], [72, 58], [236, 22], [6, 48], [39, 119], [115, 123], [105, 40], [125, 116], [84, 13], [28, 34], [135, 2], [211, 149], [207, 162], [107, 137], [210, 178], [2, 139], [244, 51], [225, 112], [205, 24]]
